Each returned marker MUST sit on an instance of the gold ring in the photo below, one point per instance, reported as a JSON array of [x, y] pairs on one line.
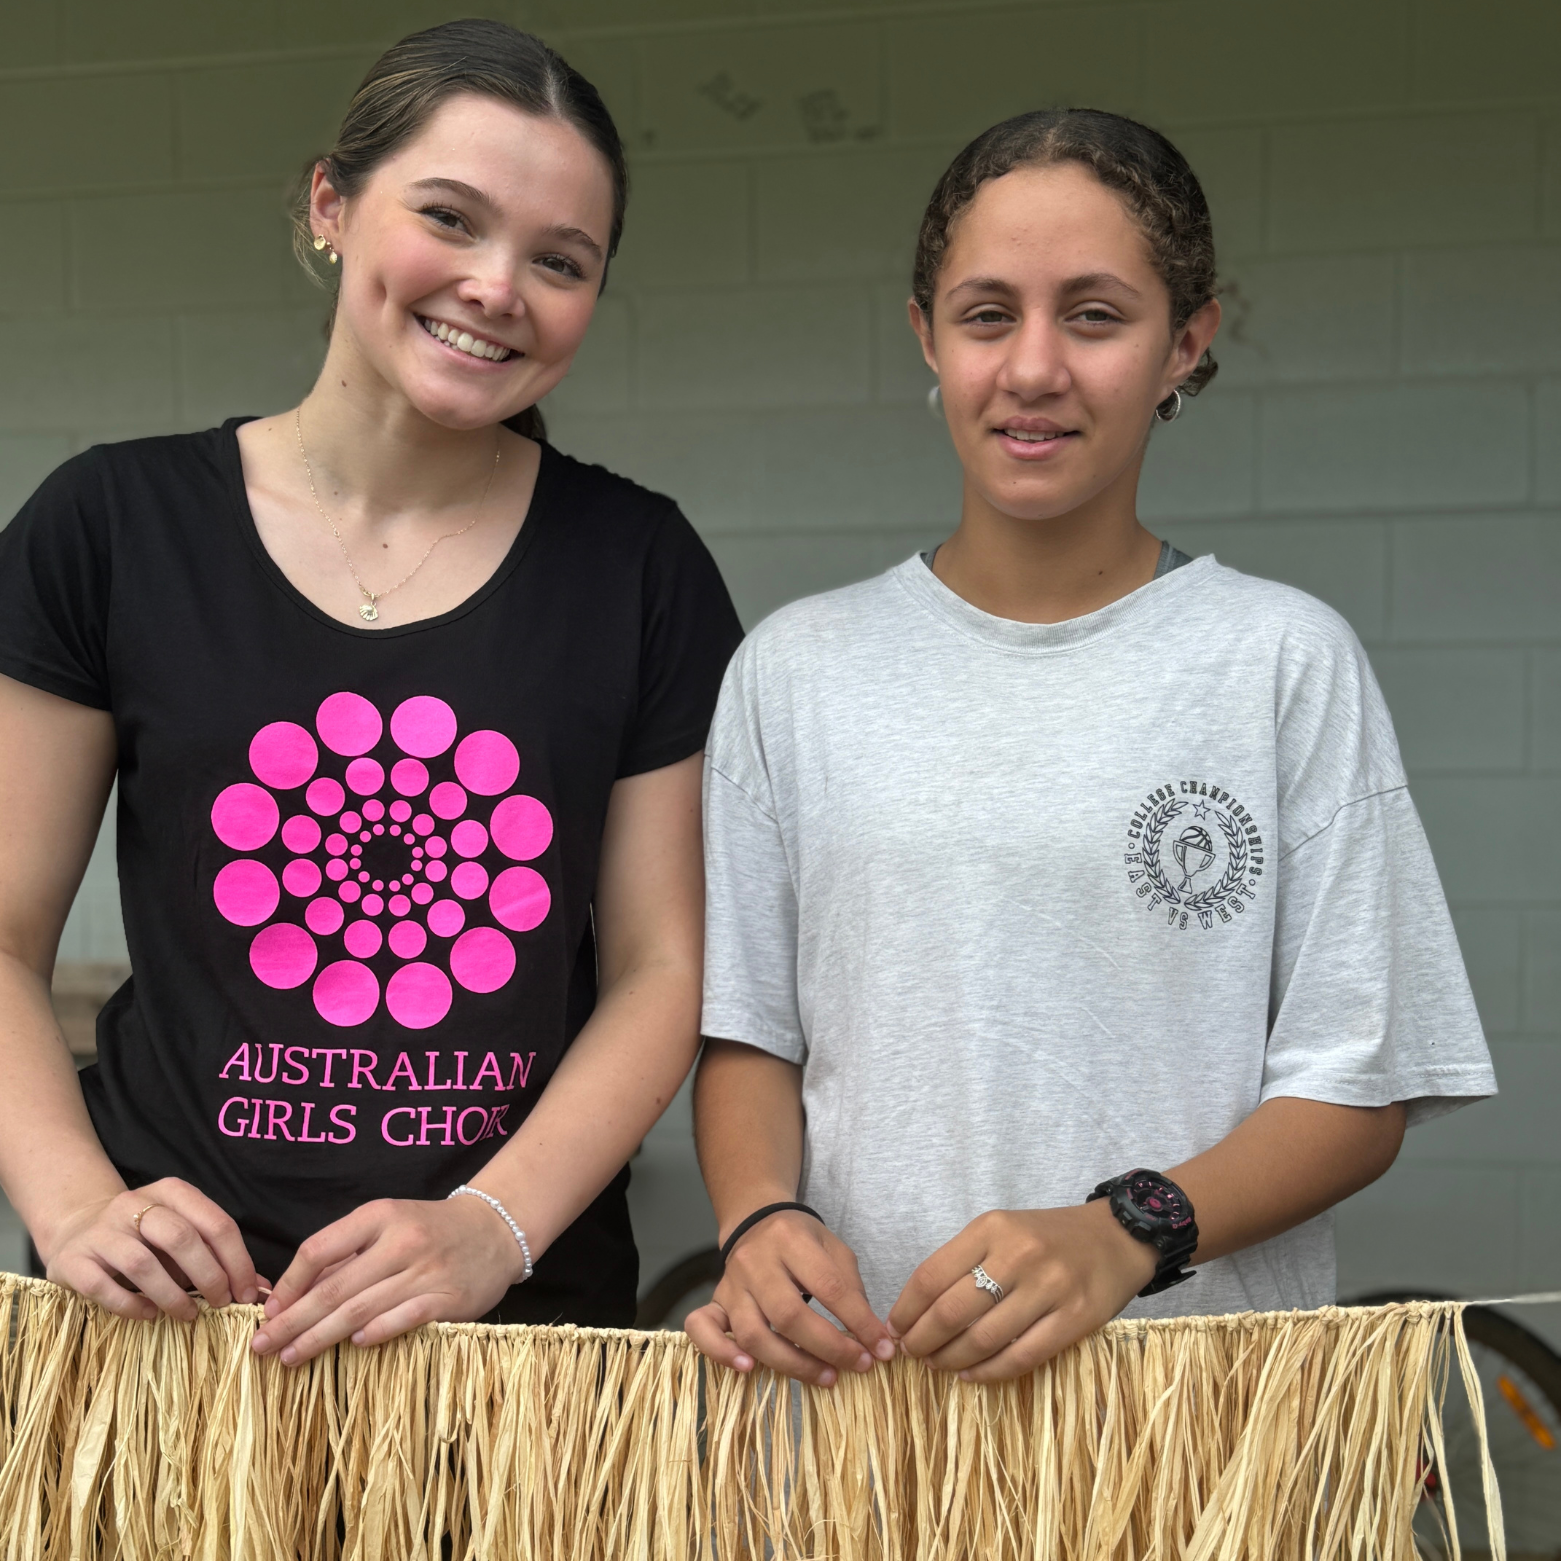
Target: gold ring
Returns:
[[137, 1220]]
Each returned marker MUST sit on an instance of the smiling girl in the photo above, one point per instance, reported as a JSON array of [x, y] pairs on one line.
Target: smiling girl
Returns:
[[406, 711], [1069, 920]]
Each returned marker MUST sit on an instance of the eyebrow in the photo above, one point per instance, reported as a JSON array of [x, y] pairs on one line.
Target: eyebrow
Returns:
[[483, 199], [1091, 281]]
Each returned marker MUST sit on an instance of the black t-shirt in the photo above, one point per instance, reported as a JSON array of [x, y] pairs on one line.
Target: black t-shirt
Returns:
[[357, 865]]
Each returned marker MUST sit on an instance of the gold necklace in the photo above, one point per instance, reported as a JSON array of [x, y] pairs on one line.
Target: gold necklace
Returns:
[[369, 611]]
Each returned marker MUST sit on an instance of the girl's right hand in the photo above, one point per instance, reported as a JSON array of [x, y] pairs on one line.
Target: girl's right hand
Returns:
[[759, 1314], [184, 1239]]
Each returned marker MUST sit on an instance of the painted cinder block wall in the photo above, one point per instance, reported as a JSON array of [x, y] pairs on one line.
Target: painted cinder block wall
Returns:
[[1385, 431]]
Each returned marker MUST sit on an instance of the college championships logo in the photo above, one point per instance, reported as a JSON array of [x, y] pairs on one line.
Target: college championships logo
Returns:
[[1193, 848]]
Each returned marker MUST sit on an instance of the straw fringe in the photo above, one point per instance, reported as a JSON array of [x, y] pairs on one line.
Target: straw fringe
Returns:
[[1286, 1436]]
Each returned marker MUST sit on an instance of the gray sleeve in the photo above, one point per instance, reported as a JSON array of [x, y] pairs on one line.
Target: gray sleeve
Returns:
[[1370, 1002], [750, 924]]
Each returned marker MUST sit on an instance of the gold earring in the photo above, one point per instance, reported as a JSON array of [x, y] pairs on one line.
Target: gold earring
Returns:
[[319, 241], [334, 257]]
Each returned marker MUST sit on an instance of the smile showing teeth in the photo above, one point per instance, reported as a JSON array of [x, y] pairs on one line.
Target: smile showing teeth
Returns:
[[1026, 438], [464, 341]]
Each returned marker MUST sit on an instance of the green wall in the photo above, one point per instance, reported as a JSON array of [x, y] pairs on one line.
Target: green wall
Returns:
[[1386, 181]]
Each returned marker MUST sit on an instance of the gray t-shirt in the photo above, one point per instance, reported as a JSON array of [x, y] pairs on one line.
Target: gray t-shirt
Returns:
[[1034, 904]]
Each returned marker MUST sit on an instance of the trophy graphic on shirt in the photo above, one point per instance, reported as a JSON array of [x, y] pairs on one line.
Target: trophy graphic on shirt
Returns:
[[1193, 851]]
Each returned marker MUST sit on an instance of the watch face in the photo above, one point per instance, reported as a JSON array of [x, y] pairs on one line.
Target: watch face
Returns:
[[1160, 1201]]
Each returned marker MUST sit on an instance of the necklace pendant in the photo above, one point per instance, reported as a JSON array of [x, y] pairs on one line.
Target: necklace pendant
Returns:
[[368, 612]]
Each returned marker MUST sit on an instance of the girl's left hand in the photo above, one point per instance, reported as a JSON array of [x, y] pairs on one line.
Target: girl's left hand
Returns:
[[1064, 1272], [388, 1267]]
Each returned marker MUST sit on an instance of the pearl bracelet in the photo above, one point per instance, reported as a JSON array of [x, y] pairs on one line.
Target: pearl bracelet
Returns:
[[504, 1214]]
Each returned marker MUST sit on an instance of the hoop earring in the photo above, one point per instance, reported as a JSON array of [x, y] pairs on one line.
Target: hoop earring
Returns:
[[321, 242], [935, 402], [1174, 402]]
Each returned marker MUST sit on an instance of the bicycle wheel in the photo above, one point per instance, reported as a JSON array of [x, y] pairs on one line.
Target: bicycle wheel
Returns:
[[684, 1287], [1520, 1380]]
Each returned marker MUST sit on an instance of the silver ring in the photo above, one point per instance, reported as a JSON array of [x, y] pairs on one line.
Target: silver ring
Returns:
[[984, 1281]]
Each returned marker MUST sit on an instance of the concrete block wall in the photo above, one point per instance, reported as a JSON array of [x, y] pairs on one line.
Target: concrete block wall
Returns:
[[1385, 431]]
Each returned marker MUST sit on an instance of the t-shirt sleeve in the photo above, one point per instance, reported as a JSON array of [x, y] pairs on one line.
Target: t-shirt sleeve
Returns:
[[690, 630], [1370, 1002], [750, 892], [55, 580]]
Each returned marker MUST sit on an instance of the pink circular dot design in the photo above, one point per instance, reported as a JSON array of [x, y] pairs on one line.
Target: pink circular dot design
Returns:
[[520, 899], [244, 816], [423, 824], [336, 871], [350, 822], [301, 833], [487, 763], [283, 755], [409, 777], [446, 917], [372, 905], [283, 955], [336, 845], [522, 828], [469, 838], [400, 811], [324, 917], [407, 940], [362, 938], [423, 726], [346, 993], [437, 872], [447, 800], [399, 905], [373, 808], [301, 877], [363, 877], [436, 846], [469, 880], [418, 996], [349, 892], [325, 796], [482, 960], [246, 892], [365, 776], [423, 893], [348, 724], [379, 829]]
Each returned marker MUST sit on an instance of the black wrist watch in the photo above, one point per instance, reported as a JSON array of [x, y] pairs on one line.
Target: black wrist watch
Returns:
[[1153, 1209]]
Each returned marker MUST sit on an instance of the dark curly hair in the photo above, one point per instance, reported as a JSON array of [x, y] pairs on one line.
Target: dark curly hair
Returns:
[[414, 77], [1137, 163]]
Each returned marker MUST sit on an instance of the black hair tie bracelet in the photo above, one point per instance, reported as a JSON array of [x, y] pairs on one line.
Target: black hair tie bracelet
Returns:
[[744, 1226]]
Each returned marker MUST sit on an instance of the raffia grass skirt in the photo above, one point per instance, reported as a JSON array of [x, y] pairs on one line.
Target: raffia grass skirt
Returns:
[[1280, 1435]]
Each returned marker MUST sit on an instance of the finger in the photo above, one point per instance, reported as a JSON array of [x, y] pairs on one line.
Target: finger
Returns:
[[837, 1286], [88, 1277], [959, 1307], [327, 1249], [218, 1230], [708, 1327], [790, 1316], [933, 1279], [120, 1252], [410, 1314], [168, 1232], [1049, 1336], [753, 1332], [355, 1311], [988, 1334], [282, 1330]]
